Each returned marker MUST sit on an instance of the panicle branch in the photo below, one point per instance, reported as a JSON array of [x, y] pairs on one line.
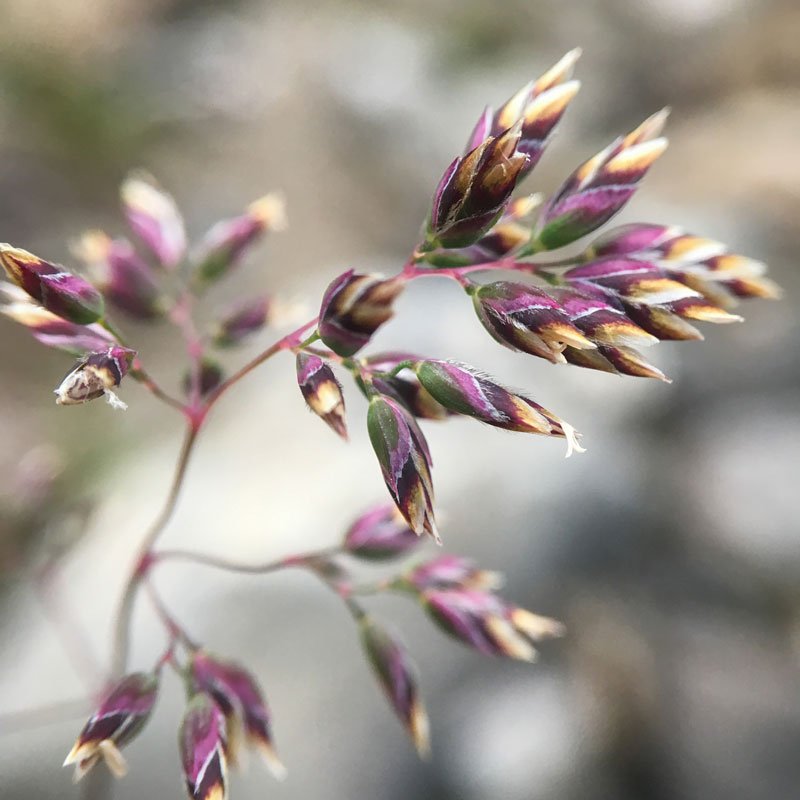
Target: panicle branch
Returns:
[[595, 306]]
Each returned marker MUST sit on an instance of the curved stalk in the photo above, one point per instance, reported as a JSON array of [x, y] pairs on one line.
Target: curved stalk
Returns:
[[142, 563]]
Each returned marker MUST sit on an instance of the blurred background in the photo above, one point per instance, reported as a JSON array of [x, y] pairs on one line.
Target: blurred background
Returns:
[[671, 549]]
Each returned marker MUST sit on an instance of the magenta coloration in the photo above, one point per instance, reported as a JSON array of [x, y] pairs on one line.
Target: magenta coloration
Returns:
[[227, 242], [202, 743], [412, 395], [601, 186], [405, 462], [527, 318], [449, 571], [463, 390], [379, 534], [590, 307], [398, 678], [49, 329], [241, 322], [96, 375], [241, 700], [75, 339], [484, 622], [119, 718], [539, 106], [392, 376], [66, 295], [474, 190], [481, 132], [633, 238], [128, 281], [353, 308], [601, 320], [207, 375], [154, 219], [322, 392]]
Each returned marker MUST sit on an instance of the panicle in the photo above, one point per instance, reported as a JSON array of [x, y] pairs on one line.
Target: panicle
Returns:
[[66, 295], [405, 462], [353, 307], [119, 719], [154, 218], [380, 534], [486, 623], [398, 678], [96, 375], [322, 392], [202, 744], [601, 186]]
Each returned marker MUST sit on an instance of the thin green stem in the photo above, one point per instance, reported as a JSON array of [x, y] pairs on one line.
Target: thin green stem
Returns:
[[398, 368], [113, 330], [328, 355], [308, 342], [533, 247]]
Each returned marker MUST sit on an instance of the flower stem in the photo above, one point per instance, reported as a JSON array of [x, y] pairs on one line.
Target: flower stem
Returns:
[[113, 330], [142, 563], [138, 374], [291, 340], [308, 561], [229, 565], [182, 316], [176, 631], [196, 414]]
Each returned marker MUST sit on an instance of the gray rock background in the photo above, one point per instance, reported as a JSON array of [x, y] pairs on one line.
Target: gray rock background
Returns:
[[671, 549]]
